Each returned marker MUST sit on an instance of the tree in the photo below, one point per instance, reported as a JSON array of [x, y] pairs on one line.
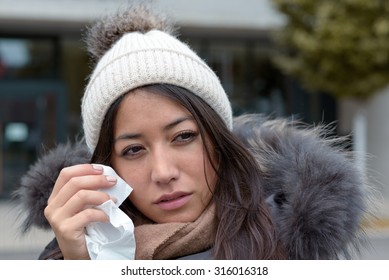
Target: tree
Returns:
[[336, 46], [340, 47]]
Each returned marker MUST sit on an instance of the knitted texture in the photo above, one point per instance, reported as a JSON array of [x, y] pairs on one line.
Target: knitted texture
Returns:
[[141, 59]]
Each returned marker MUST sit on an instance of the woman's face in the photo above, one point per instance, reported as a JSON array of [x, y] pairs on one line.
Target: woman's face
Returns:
[[159, 152]]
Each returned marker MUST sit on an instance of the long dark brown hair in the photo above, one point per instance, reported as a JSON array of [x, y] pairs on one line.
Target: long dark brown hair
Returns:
[[245, 229]]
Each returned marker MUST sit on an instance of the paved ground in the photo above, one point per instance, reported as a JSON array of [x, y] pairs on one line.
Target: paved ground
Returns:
[[14, 246]]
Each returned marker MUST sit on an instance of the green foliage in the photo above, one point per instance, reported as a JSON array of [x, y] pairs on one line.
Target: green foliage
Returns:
[[336, 46]]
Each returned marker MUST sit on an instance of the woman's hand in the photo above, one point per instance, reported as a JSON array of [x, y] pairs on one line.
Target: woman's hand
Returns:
[[70, 206]]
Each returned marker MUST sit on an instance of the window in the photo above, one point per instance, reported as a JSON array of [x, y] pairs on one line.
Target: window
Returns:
[[27, 58]]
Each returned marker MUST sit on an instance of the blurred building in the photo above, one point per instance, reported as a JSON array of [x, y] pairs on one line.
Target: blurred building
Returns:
[[44, 66]]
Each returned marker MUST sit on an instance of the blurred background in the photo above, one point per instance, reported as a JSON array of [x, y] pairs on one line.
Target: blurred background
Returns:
[[323, 63]]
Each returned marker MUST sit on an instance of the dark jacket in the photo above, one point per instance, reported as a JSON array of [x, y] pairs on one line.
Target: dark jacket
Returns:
[[316, 194]]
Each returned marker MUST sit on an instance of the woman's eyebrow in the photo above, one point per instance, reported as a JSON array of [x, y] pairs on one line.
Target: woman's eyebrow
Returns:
[[177, 121], [127, 136]]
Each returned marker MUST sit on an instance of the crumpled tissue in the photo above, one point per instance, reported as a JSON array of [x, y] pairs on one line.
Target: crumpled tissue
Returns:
[[114, 240]]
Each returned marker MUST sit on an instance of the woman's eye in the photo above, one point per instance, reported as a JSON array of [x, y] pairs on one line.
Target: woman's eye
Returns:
[[185, 136], [132, 151]]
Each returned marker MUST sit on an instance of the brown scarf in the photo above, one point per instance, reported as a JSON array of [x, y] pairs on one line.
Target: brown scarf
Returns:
[[173, 240]]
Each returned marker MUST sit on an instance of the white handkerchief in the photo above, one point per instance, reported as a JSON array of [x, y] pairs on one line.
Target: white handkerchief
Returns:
[[114, 240]]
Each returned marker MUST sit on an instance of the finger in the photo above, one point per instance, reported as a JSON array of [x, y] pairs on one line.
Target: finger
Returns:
[[71, 233], [90, 215], [84, 199], [74, 227], [70, 172], [76, 184], [81, 200]]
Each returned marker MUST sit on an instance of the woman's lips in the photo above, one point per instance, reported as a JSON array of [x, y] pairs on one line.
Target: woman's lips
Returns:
[[173, 201]]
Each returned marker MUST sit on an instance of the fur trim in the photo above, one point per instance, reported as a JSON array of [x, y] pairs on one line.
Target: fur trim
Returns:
[[316, 194], [36, 185]]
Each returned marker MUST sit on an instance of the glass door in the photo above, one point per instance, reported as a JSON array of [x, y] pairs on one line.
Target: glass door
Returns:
[[32, 118]]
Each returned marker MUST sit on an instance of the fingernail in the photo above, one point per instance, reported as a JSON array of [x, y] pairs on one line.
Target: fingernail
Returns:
[[97, 167], [111, 178]]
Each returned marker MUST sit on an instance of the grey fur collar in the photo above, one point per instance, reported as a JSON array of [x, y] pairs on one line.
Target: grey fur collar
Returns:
[[317, 195], [36, 185]]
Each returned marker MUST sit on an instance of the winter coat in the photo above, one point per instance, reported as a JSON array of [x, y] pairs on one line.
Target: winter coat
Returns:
[[316, 193]]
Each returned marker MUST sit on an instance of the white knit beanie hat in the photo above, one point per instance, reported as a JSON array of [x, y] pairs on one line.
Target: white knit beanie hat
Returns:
[[139, 59]]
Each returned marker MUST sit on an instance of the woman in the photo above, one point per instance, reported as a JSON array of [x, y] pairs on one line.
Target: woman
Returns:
[[157, 114]]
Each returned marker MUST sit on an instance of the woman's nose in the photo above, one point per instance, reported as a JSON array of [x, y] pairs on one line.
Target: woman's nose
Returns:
[[164, 167]]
